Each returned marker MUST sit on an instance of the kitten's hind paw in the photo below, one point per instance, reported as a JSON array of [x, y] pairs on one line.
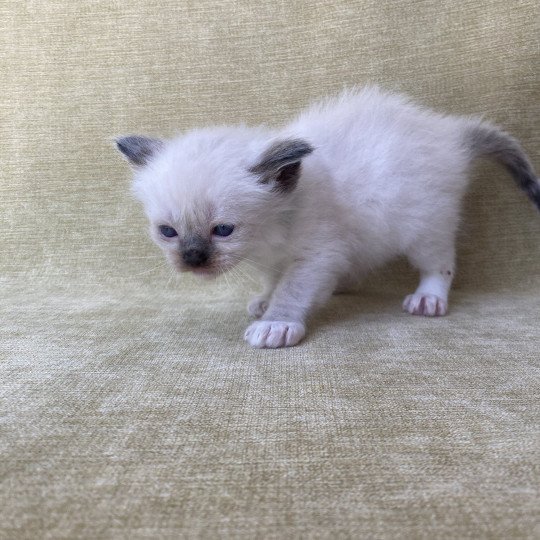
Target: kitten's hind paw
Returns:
[[428, 305], [274, 334], [257, 306]]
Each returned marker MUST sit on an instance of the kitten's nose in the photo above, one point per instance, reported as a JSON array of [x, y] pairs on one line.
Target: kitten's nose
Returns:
[[195, 257]]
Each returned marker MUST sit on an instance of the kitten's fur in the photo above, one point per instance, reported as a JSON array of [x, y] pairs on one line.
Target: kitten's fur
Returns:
[[353, 182]]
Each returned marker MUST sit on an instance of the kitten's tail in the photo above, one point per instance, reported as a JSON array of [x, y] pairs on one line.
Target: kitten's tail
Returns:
[[487, 140]]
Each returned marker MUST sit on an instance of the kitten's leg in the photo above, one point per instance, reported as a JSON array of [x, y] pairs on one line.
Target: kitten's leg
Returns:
[[259, 304], [303, 287], [435, 260]]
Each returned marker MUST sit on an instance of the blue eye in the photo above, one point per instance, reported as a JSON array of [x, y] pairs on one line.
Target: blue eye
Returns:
[[167, 231], [223, 229]]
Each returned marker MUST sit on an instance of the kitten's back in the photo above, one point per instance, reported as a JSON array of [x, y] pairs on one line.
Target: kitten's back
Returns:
[[369, 134]]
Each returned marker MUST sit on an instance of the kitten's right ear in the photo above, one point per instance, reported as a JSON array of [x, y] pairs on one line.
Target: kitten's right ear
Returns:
[[137, 149]]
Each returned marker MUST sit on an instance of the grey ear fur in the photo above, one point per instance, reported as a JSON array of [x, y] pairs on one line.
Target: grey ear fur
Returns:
[[281, 163], [138, 149]]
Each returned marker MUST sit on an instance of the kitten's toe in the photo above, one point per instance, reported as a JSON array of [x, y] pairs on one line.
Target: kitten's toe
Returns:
[[257, 306], [428, 305], [274, 334]]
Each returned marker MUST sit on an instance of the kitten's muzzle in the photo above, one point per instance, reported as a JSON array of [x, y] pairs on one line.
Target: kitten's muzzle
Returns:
[[195, 257]]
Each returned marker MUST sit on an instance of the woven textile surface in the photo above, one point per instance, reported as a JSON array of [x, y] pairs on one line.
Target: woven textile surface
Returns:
[[130, 407]]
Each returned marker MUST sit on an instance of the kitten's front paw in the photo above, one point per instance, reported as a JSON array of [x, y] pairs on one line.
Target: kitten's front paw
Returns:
[[257, 306], [428, 305], [274, 334]]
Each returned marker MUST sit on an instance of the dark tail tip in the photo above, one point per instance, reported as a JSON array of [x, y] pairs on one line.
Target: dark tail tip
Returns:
[[487, 140], [533, 191]]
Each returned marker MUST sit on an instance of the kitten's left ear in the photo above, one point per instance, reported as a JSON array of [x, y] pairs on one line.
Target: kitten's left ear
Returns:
[[280, 164], [138, 149]]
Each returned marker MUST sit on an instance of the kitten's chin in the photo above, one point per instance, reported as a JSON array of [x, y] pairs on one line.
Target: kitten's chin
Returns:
[[205, 273], [209, 272]]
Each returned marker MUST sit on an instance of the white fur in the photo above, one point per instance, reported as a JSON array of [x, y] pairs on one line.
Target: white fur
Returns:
[[385, 179]]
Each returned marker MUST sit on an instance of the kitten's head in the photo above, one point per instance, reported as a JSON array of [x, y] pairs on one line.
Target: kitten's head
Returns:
[[212, 195]]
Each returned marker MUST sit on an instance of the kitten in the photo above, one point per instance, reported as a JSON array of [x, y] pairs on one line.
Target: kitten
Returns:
[[352, 182]]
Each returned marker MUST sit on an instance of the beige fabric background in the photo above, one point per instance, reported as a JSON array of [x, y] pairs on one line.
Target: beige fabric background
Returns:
[[130, 406]]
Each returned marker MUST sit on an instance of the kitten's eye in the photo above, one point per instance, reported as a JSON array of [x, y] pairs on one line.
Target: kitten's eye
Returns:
[[223, 229], [167, 231]]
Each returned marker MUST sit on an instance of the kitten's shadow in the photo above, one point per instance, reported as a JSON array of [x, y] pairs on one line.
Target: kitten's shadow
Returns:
[[357, 305]]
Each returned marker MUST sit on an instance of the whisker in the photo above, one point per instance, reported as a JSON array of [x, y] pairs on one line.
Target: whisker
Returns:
[[224, 274], [151, 269], [156, 257], [245, 275], [233, 274], [258, 264], [172, 276], [241, 276]]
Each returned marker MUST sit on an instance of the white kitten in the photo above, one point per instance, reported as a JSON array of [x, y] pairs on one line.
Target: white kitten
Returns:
[[353, 182]]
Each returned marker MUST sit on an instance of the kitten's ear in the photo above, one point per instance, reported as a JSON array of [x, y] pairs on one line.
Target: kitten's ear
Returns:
[[137, 149], [280, 164]]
